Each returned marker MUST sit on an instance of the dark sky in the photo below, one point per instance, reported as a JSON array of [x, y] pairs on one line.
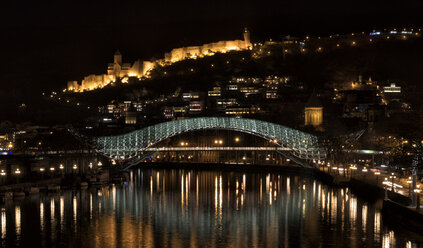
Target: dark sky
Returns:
[[46, 44]]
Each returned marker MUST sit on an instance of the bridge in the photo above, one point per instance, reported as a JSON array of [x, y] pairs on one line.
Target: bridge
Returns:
[[138, 145], [217, 148]]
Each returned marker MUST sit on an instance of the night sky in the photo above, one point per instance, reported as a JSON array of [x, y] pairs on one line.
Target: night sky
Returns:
[[45, 45]]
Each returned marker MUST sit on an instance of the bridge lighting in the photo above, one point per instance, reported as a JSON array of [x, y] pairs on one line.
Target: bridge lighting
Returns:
[[51, 168], [220, 142], [17, 171], [236, 139], [75, 167], [90, 165], [61, 167], [3, 173], [100, 163], [42, 169]]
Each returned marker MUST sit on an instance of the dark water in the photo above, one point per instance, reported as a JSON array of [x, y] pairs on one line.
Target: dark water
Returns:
[[181, 208]]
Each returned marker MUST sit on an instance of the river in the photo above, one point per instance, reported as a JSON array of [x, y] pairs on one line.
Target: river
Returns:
[[189, 208]]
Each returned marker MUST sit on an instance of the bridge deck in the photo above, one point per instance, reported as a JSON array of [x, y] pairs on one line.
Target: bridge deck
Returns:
[[212, 148]]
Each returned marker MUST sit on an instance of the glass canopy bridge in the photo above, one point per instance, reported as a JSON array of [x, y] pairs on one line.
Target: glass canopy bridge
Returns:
[[132, 148]]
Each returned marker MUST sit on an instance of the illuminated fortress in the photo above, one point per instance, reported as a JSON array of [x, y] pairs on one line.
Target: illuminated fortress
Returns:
[[141, 69]]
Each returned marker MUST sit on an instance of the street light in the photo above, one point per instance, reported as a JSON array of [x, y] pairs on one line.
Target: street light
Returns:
[[417, 190], [236, 139], [409, 182], [17, 173]]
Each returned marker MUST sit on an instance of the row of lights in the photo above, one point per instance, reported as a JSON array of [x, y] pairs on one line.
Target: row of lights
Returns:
[[377, 173], [216, 141]]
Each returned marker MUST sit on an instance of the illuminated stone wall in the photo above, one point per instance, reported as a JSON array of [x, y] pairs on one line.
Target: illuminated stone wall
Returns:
[[193, 52], [140, 69]]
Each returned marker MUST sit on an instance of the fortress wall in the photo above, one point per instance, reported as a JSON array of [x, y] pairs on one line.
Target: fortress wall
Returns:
[[146, 67], [73, 86], [141, 68]]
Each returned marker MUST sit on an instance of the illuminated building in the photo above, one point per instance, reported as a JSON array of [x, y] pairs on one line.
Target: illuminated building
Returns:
[[313, 112], [215, 92], [271, 94], [392, 89], [168, 112], [115, 70], [195, 106], [238, 111], [190, 95]]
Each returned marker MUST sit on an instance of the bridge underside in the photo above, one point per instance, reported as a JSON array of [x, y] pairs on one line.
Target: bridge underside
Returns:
[[136, 145]]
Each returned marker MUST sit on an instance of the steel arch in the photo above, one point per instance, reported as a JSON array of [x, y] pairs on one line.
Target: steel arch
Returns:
[[129, 146]]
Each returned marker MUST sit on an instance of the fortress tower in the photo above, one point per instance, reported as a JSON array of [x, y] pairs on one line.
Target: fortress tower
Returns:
[[247, 37], [117, 58]]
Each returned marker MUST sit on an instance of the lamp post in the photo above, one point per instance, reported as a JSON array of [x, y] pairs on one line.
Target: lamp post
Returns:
[[62, 168], [17, 173], [52, 169], [392, 182], [409, 182], [3, 176], [417, 191], [74, 168], [414, 179], [42, 173]]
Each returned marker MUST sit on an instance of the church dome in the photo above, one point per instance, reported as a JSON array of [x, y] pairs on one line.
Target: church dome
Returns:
[[313, 102]]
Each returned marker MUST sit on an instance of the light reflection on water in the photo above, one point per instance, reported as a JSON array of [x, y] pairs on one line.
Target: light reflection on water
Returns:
[[181, 208]]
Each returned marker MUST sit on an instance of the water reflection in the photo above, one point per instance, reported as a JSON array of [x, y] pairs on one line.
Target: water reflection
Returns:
[[181, 208]]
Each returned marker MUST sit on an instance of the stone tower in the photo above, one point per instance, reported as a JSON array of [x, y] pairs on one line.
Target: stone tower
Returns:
[[247, 38], [313, 112], [117, 58]]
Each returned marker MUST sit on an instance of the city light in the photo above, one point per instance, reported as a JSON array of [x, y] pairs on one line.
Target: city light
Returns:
[[75, 167], [17, 171]]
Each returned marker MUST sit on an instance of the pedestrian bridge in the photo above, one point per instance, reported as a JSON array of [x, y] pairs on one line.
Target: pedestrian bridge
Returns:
[[138, 144]]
